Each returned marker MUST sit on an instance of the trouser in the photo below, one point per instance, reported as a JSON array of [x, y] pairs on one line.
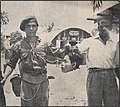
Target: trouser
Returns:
[[117, 71], [102, 88], [2, 96], [34, 94]]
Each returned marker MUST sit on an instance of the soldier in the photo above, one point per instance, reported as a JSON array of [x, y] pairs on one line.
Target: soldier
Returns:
[[32, 66]]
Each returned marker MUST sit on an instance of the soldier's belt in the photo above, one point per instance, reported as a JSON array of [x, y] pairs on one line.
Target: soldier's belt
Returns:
[[35, 72]]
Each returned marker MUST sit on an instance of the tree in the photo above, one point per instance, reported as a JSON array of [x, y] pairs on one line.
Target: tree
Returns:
[[15, 37], [48, 26], [4, 18], [98, 3]]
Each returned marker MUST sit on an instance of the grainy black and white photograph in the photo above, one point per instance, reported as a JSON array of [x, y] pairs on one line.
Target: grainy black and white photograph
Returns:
[[60, 53]]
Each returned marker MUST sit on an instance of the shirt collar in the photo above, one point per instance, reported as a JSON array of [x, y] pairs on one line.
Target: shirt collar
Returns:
[[98, 37], [36, 38]]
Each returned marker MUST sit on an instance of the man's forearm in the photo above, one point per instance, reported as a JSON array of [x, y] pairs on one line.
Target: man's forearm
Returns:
[[8, 71]]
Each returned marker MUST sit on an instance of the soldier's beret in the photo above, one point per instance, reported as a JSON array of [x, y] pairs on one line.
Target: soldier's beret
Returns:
[[26, 20]]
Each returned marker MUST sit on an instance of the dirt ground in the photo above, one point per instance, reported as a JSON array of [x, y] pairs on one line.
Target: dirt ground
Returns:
[[67, 89]]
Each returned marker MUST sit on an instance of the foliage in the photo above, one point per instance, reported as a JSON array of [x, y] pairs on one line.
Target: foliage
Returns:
[[15, 37], [4, 18], [48, 27], [98, 3]]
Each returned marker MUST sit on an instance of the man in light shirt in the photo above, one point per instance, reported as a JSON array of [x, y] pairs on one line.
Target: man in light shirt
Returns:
[[101, 84]]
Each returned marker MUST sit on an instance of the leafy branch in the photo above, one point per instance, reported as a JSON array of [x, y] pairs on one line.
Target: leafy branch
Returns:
[[4, 18], [98, 3]]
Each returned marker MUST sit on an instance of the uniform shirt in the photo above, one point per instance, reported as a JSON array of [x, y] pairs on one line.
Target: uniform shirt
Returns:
[[99, 55], [17, 54]]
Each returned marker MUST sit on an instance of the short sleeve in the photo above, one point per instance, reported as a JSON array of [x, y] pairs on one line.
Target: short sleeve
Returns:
[[84, 45]]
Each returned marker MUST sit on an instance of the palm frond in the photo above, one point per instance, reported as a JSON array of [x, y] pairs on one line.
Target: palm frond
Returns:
[[97, 4], [4, 18]]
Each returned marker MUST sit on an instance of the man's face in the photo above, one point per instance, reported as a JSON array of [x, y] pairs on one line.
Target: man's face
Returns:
[[103, 27], [104, 24], [31, 28]]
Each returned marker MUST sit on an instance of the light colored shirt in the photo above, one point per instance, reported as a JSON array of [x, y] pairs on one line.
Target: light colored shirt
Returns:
[[98, 54]]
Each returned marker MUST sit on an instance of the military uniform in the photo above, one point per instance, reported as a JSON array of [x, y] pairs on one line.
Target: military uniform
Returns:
[[32, 66]]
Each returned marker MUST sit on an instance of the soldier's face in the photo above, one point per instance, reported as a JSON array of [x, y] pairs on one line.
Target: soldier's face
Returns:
[[31, 28]]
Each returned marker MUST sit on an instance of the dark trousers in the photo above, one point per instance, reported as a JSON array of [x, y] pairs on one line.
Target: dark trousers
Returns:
[[102, 89], [34, 94], [117, 71], [2, 97]]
